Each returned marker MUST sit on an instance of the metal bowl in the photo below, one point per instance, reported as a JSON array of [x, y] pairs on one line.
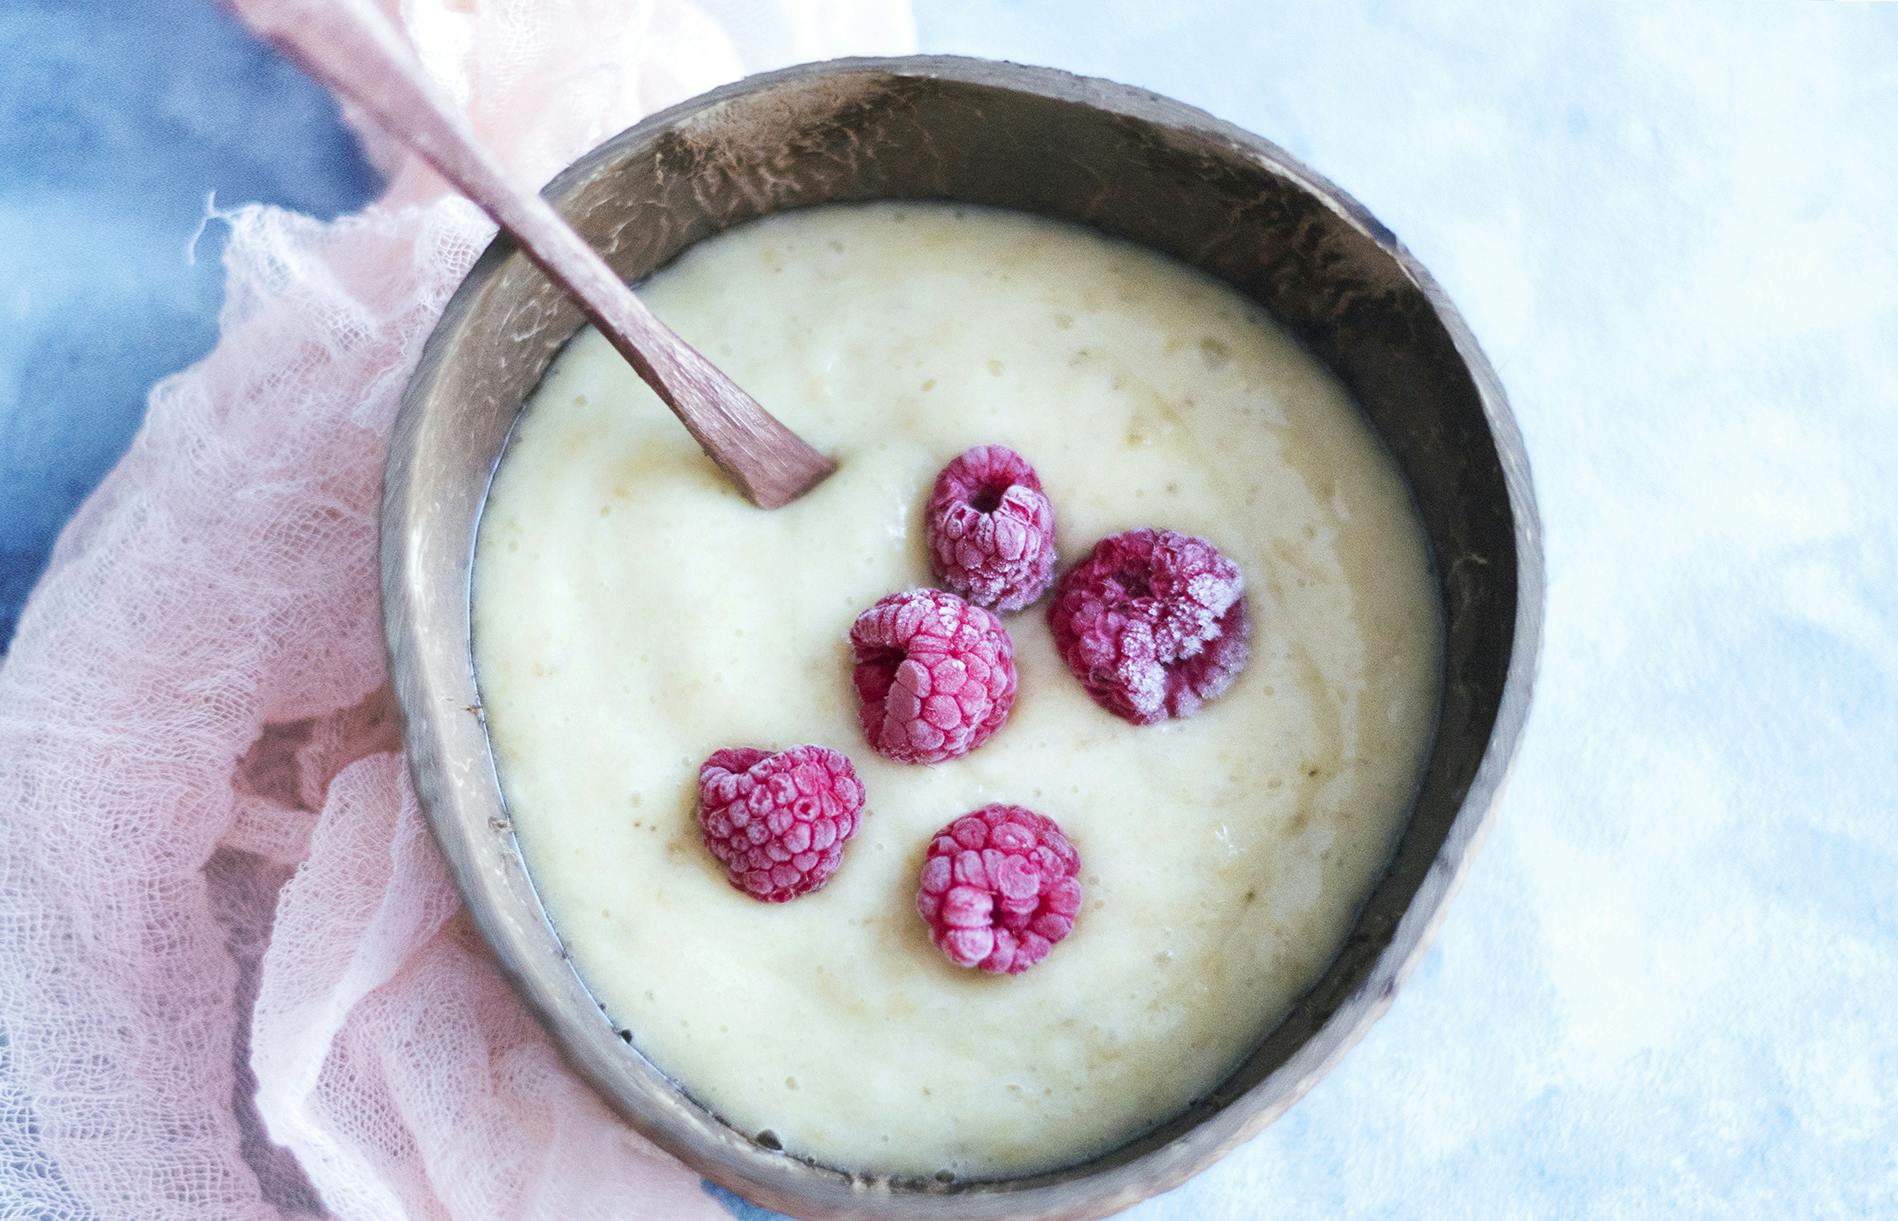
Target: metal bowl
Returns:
[[1126, 162]]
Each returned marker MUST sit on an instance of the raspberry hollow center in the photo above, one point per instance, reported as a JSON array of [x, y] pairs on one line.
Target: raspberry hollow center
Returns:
[[988, 499]]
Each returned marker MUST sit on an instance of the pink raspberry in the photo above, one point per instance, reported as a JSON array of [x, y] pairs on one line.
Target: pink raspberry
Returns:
[[990, 530], [1153, 623], [779, 822], [935, 675], [999, 888]]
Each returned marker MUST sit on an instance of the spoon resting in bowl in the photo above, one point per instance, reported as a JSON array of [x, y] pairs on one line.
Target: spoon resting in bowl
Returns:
[[353, 50]]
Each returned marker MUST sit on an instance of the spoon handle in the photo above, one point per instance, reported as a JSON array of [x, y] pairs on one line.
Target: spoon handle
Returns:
[[350, 47]]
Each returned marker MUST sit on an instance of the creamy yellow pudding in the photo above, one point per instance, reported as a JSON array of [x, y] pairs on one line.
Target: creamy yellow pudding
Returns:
[[633, 615]]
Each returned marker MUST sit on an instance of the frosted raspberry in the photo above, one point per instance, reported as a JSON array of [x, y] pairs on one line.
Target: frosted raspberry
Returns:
[[999, 888], [779, 822], [990, 530], [1153, 623], [936, 675]]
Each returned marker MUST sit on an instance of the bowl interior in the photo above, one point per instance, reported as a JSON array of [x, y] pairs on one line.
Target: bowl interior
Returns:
[[1120, 160]]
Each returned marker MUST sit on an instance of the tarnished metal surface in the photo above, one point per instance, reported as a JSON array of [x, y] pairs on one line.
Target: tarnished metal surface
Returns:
[[1126, 162]]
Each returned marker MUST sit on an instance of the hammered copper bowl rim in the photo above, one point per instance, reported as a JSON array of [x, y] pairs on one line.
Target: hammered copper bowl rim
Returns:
[[949, 127]]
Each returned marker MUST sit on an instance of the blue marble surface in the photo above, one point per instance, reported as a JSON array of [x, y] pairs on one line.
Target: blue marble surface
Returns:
[[118, 119], [1667, 987]]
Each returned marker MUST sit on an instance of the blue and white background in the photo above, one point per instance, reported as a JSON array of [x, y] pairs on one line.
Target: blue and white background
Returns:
[[1670, 986]]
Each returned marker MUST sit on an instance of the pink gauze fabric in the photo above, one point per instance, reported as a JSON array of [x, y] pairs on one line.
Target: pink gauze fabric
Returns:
[[237, 980]]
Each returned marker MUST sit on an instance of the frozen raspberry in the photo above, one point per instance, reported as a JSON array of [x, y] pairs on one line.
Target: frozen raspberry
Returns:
[[936, 675], [779, 822], [999, 888], [990, 530], [1153, 623]]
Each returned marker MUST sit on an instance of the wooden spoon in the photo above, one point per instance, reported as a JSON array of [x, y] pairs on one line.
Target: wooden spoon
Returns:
[[350, 47]]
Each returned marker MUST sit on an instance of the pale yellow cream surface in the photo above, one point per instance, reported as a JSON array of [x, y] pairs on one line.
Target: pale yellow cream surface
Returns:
[[632, 615]]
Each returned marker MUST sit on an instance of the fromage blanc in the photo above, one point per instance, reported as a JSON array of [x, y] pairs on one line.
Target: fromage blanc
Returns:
[[633, 615]]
